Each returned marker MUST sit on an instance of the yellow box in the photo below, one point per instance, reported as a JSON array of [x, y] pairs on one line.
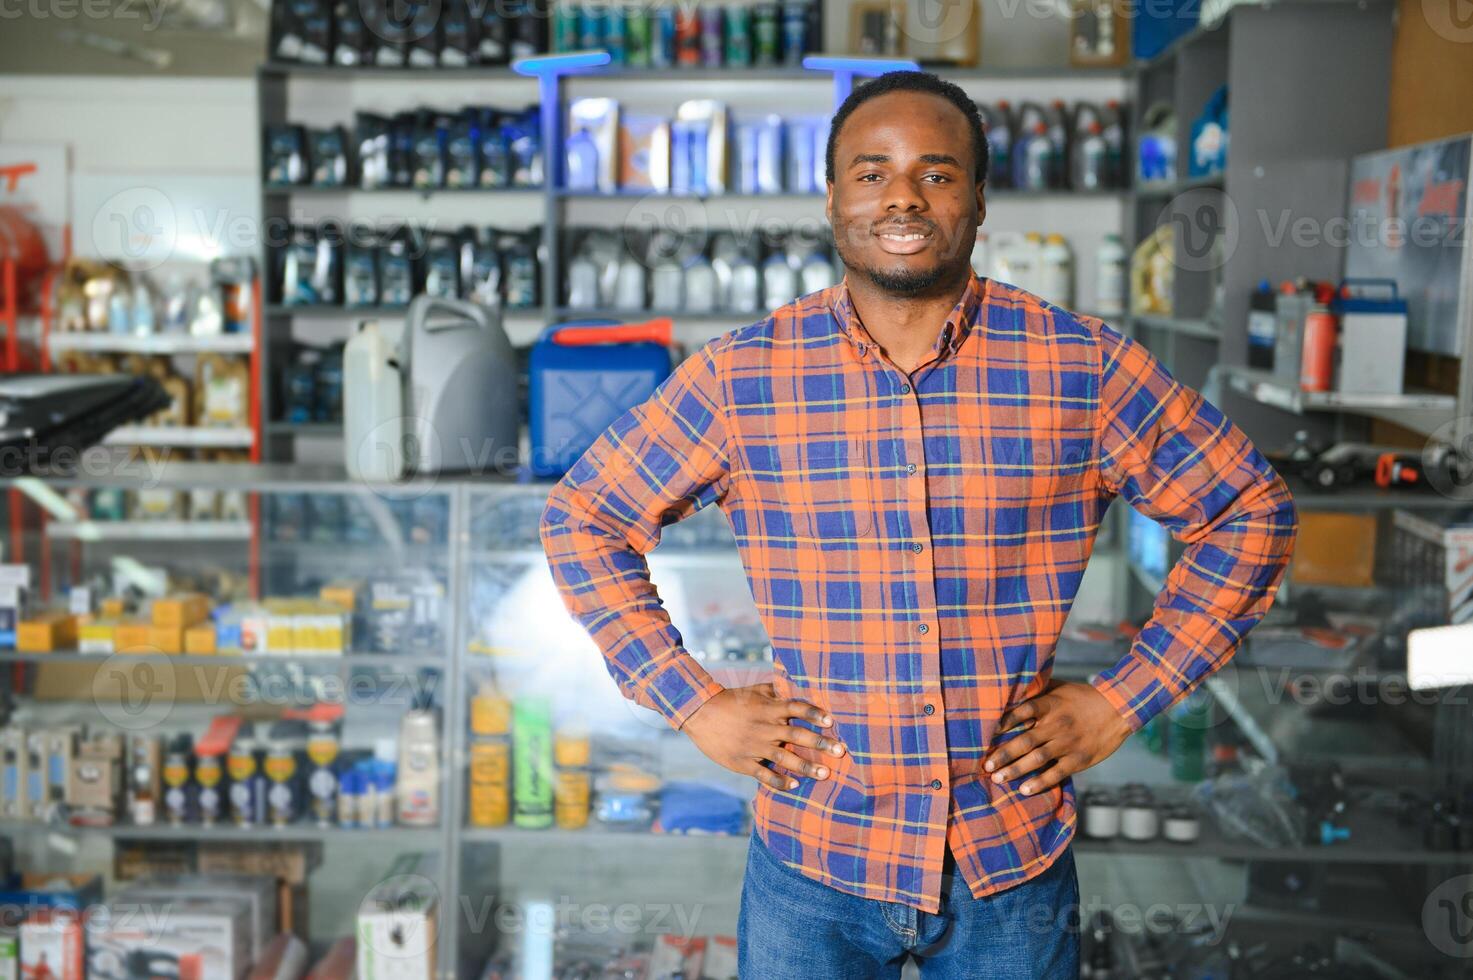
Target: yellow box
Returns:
[[96, 636], [181, 611], [112, 608], [1335, 549], [200, 640], [166, 639], [131, 636], [47, 633], [343, 595]]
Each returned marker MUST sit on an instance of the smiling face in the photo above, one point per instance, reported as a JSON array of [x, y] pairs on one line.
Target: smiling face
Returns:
[[903, 204]]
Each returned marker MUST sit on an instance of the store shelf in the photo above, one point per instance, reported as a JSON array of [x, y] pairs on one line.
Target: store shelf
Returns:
[[723, 559], [1170, 188], [308, 190], [104, 343], [314, 430], [333, 311], [1421, 412], [417, 836], [713, 316], [600, 837], [1186, 326], [180, 436], [1389, 845], [1308, 498], [775, 73], [376, 660], [90, 530]]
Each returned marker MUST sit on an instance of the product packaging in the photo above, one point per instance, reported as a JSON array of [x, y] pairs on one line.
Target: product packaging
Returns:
[[593, 140], [52, 945], [644, 153], [205, 937], [397, 929], [532, 768]]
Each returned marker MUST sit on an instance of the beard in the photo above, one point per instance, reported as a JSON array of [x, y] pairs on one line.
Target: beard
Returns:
[[903, 281]]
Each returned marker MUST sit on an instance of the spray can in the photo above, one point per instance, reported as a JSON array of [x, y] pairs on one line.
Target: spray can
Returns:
[[711, 18], [662, 38], [738, 36], [209, 773], [490, 760], [573, 787], [565, 27], [532, 763], [178, 792], [637, 37], [1317, 366], [280, 768], [794, 31], [613, 24], [687, 38], [242, 767], [591, 19], [418, 786], [765, 33], [322, 782]]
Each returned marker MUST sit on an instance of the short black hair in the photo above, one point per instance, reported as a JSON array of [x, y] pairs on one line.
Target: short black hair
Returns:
[[911, 81]]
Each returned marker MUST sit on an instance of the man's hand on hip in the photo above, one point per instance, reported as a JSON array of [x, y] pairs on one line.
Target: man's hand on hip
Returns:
[[1066, 729], [743, 727]]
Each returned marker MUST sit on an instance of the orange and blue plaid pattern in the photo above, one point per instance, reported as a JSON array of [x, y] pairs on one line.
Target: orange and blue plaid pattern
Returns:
[[914, 544]]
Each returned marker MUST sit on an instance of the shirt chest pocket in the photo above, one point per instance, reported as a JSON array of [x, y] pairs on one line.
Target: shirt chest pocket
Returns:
[[824, 485]]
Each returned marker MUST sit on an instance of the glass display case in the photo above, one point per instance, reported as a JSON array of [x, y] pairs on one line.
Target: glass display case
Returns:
[[476, 744]]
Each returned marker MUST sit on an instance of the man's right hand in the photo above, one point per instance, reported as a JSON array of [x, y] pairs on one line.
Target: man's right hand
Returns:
[[743, 727]]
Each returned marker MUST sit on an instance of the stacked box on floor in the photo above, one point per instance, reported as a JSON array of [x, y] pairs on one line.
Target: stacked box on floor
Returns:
[[1436, 551]]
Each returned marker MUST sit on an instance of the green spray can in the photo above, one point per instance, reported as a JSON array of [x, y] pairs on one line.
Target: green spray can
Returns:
[[637, 37], [531, 746]]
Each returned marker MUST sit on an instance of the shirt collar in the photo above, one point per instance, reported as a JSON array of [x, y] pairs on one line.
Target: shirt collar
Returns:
[[955, 331]]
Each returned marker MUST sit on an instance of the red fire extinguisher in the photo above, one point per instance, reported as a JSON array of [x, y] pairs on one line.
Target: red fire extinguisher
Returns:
[[1317, 368]]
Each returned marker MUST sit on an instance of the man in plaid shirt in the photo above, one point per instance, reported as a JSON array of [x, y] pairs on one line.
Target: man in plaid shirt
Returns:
[[915, 464]]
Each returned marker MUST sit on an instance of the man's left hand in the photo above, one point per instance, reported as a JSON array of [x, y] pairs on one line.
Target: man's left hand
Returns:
[[1066, 729]]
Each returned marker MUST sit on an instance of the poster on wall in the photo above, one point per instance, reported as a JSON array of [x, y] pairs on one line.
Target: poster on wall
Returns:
[[1409, 219]]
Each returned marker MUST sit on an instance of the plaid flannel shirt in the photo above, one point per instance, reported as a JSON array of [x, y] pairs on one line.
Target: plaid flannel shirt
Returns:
[[914, 544]]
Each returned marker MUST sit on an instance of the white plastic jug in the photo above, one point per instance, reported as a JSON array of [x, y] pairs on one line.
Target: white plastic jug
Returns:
[[373, 408]]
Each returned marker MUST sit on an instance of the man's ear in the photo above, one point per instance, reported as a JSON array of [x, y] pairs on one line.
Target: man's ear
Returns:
[[981, 202]]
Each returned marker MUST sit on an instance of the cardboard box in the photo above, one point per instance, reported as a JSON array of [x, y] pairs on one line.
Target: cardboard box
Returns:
[[1335, 549], [98, 636], [50, 890], [166, 639], [1435, 551], [51, 945], [181, 611], [61, 749], [257, 891], [209, 937], [289, 863], [397, 930], [95, 783], [9, 956], [112, 608], [200, 641], [132, 636], [14, 779], [47, 633]]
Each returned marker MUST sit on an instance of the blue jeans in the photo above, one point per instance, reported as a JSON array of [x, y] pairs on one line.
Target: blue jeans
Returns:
[[792, 926]]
